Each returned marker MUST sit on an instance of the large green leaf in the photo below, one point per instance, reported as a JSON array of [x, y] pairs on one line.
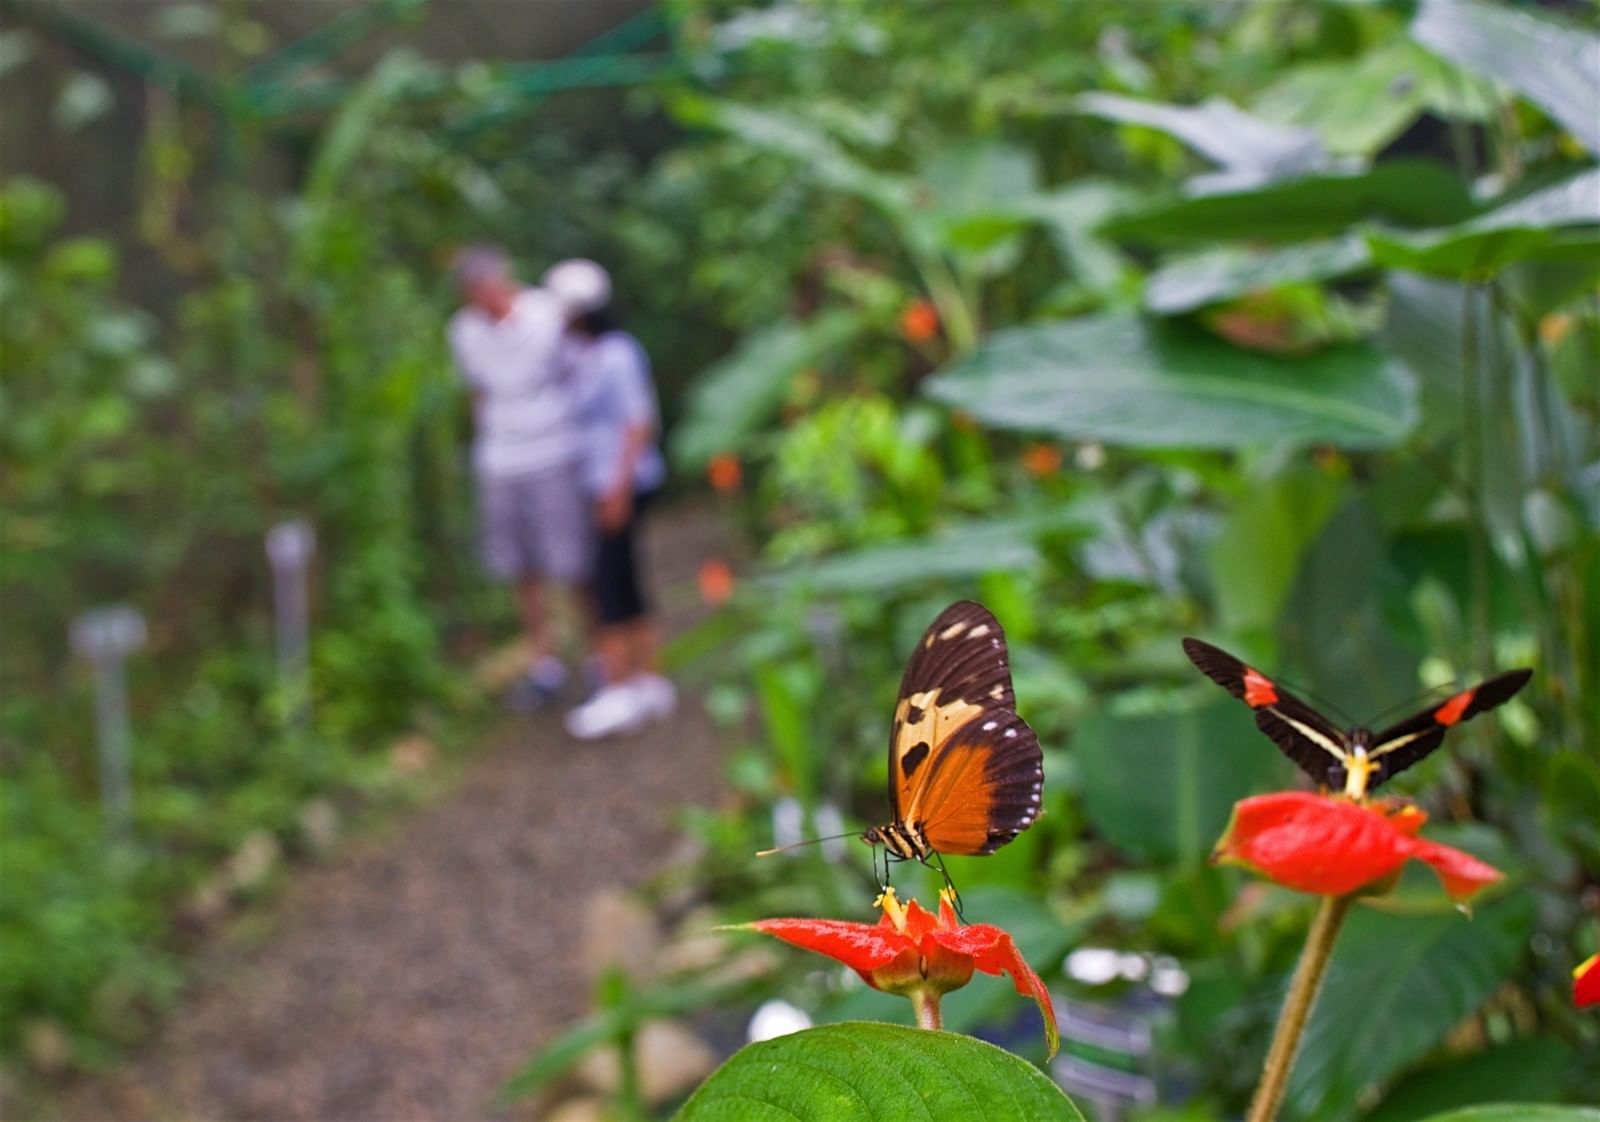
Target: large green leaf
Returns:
[[1071, 214], [1555, 67], [744, 390], [1160, 786], [1256, 555], [807, 144], [1339, 623], [1529, 1069], [861, 1072], [1404, 192], [1358, 105], [1215, 275], [1123, 380], [963, 549], [1396, 986], [1251, 149], [1441, 331], [1518, 1112], [1526, 229]]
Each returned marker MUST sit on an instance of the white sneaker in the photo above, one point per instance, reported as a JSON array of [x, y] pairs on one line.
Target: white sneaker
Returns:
[[613, 710], [658, 698]]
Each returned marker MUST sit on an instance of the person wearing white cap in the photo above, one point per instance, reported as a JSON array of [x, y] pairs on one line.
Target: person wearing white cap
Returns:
[[618, 425], [534, 526]]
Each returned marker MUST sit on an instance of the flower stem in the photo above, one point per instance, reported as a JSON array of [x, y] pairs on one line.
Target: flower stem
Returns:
[[1297, 1008], [926, 1004]]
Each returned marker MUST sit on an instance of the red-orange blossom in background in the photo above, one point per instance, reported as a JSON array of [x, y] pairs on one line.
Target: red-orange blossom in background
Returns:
[[919, 321]]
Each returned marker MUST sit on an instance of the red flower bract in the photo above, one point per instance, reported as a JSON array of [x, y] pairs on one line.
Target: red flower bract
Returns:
[[724, 472], [911, 951], [1333, 846], [1586, 983], [919, 321]]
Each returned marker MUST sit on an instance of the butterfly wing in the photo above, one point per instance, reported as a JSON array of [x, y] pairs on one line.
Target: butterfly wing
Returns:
[[1314, 743], [964, 769], [1406, 742]]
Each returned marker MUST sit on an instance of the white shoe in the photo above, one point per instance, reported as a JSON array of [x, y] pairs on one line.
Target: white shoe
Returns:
[[615, 709], [658, 698]]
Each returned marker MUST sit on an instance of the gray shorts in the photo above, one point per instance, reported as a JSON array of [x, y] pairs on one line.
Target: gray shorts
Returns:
[[536, 525]]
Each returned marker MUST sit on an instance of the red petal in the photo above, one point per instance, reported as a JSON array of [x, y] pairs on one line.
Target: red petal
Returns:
[[1332, 846], [978, 939], [1586, 983], [860, 946], [1462, 874], [995, 952], [1312, 843], [919, 921], [1408, 818]]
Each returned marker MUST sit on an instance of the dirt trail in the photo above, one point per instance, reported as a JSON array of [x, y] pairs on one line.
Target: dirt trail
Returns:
[[410, 976]]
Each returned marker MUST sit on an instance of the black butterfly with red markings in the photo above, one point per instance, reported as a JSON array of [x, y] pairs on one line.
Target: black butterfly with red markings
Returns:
[[1353, 761], [965, 772]]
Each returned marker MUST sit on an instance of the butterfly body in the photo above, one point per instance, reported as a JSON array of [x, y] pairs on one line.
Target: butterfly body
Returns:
[[1352, 761], [903, 840], [965, 771]]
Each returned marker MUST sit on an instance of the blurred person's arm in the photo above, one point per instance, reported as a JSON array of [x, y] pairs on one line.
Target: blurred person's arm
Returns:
[[631, 379], [617, 504]]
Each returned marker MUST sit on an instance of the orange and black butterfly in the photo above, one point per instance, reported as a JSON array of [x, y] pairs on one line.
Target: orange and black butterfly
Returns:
[[1353, 761], [965, 772]]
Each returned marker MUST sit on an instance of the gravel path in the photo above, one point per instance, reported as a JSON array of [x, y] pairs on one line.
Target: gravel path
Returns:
[[409, 977]]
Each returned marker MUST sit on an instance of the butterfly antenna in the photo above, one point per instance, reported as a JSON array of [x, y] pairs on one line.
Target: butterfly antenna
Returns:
[[801, 844], [1428, 695]]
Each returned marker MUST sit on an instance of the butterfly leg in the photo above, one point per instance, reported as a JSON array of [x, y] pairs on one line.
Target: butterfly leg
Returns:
[[883, 881], [948, 883]]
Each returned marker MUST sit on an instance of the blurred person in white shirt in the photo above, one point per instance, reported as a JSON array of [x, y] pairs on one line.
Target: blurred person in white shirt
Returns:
[[534, 519], [622, 468]]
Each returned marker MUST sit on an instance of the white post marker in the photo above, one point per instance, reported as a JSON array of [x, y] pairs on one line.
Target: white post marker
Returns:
[[290, 548], [104, 637]]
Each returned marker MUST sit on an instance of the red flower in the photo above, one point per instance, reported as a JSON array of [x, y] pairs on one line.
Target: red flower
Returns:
[[912, 952], [1333, 846], [724, 472], [919, 322], [716, 581], [1586, 983], [1042, 460]]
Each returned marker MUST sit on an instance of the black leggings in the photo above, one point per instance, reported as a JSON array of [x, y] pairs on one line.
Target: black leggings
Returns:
[[617, 595]]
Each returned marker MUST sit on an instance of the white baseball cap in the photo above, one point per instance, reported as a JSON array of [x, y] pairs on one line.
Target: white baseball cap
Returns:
[[580, 285]]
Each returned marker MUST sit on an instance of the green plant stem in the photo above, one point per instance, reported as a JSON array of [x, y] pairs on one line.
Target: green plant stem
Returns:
[[926, 1003], [630, 1102], [1297, 1008]]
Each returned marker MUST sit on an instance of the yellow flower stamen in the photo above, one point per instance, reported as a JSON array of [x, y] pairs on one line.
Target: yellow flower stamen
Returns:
[[892, 908]]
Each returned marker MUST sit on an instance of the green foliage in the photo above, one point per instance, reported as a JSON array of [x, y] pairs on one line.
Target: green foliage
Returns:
[[1272, 324], [1124, 381], [1159, 786], [307, 378], [1403, 192], [1397, 985], [1550, 64], [742, 393], [1518, 1112], [869, 1072]]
